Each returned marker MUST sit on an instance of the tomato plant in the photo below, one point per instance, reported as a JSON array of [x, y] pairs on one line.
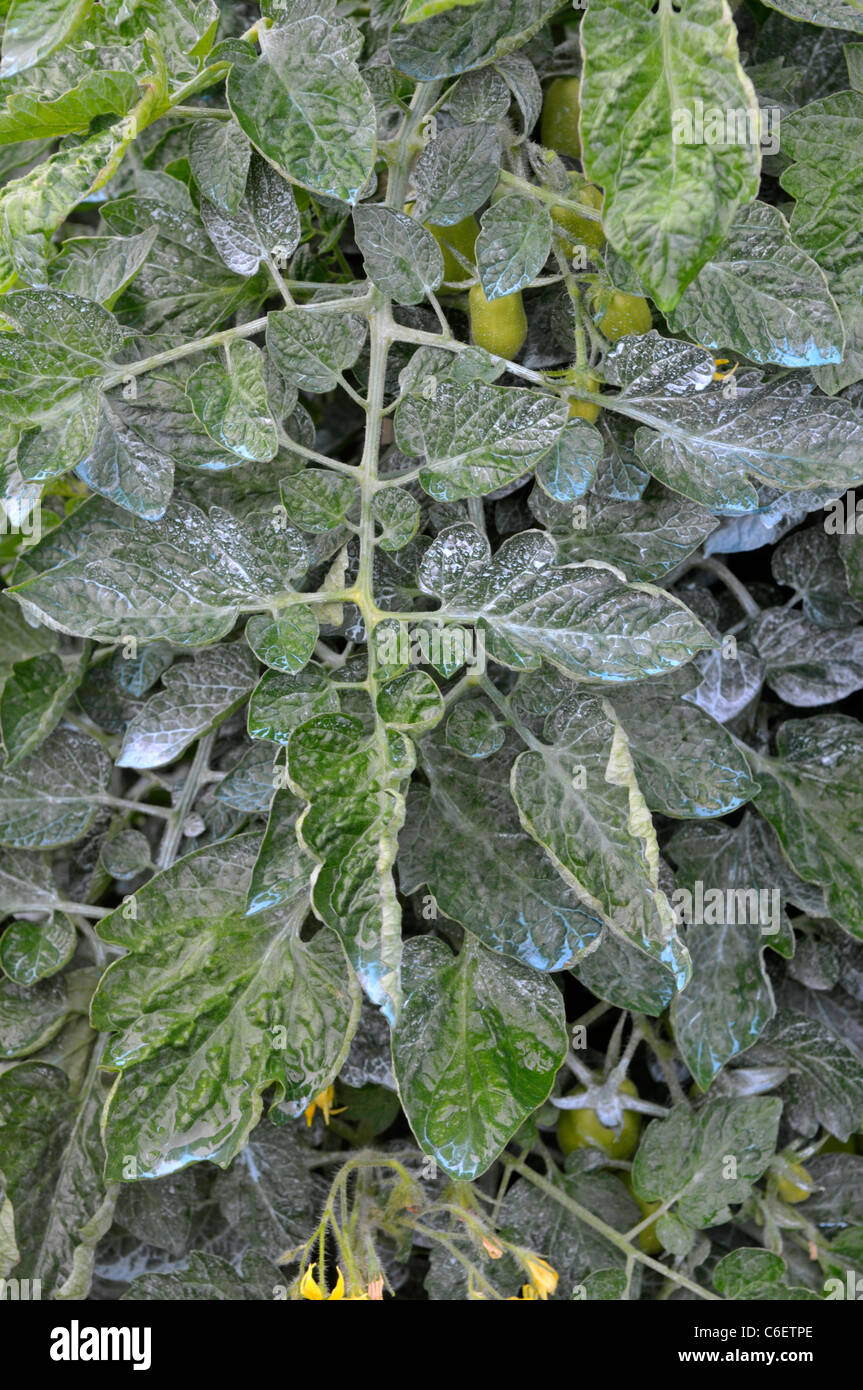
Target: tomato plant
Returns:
[[431, 624]]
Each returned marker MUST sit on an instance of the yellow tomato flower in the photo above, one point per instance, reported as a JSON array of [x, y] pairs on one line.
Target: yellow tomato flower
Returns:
[[542, 1276], [311, 1289], [723, 362], [720, 362], [324, 1103], [309, 1286]]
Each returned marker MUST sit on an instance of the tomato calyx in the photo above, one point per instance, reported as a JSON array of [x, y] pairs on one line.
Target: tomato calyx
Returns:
[[584, 1112], [607, 1098]]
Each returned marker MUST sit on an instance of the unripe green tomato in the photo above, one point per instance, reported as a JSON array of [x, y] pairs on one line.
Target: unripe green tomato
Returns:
[[789, 1190], [627, 313], [560, 110], [586, 410], [461, 235], [648, 1239], [581, 229], [582, 1129], [499, 326]]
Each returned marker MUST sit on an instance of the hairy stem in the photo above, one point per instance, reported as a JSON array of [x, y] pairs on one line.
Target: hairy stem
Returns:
[[613, 1236], [225, 335], [143, 806], [548, 195]]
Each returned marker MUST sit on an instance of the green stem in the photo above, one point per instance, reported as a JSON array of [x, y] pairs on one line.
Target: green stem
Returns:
[[424, 97], [548, 195], [349, 391], [60, 905], [420, 338], [143, 806], [225, 335], [452, 1248], [455, 693], [476, 512], [199, 83], [98, 949], [174, 829], [382, 331], [439, 340], [439, 314], [613, 1236], [379, 342], [349, 469], [591, 1016], [664, 1054], [503, 705], [173, 354], [279, 281], [198, 113], [731, 582]]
